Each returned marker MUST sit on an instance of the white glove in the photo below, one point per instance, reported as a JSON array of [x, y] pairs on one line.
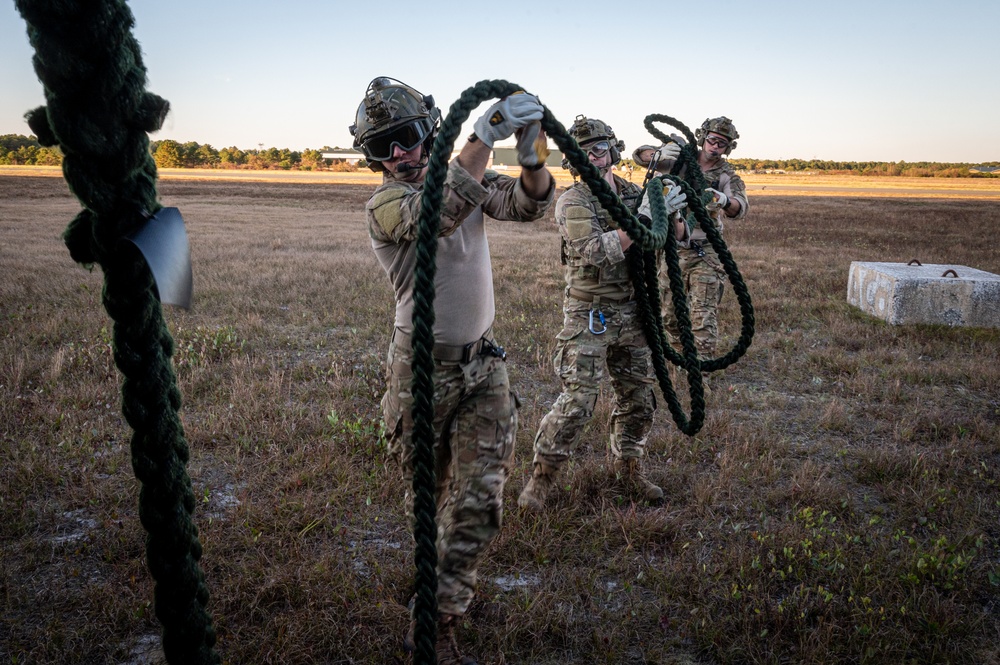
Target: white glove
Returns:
[[720, 198], [669, 151], [532, 148], [674, 199], [503, 118]]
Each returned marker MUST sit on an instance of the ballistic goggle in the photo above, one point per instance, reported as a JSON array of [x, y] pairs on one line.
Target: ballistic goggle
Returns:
[[379, 147], [598, 149], [717, 142]]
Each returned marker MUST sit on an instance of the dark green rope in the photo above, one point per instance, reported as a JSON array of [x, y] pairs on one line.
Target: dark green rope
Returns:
[[424, 505], [643, 269], [99, 114], [658, 235]]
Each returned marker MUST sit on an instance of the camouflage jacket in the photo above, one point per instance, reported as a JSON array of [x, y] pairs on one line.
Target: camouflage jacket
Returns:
[[463, 281], [595, 261], [722, 177]]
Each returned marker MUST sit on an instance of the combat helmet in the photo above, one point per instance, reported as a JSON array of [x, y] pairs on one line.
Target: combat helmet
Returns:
[[722, 126], [587, 131], [391, 114]]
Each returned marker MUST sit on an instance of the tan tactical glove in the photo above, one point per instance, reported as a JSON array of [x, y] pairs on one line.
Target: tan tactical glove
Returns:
[[532, 147]]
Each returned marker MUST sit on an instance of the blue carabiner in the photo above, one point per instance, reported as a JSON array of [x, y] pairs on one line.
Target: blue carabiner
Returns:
[[600, 314]]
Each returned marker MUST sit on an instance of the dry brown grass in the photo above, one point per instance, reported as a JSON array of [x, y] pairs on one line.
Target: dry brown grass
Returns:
[[840, 505], [772, 184]]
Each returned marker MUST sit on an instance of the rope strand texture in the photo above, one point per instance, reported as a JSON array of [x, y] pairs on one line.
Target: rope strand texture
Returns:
[[99, 113]]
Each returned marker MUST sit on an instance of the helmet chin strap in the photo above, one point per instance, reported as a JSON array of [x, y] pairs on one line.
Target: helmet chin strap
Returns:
[[408, 172]]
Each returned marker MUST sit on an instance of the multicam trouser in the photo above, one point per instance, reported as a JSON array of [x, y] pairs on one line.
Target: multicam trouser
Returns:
[[580, 359], [704, 281], [475, 422]]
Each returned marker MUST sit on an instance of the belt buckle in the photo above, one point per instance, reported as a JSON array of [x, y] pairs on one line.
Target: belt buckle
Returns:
[[470, 351]]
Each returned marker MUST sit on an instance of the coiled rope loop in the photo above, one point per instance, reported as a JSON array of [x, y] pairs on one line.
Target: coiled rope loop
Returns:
[[643, 268], [424, 528], [658, 235], [99, 113]]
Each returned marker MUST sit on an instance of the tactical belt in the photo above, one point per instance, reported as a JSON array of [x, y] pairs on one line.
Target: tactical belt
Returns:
[[457, 353], [590, 297]]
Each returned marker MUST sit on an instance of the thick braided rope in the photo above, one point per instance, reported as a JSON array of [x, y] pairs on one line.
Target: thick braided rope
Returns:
[[99, 114], [643, 270], [642, 266], [424, 528], [647, 241], [424, 506], [688, 163]]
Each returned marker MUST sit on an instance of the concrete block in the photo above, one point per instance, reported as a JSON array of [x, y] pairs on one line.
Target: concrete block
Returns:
[[901, 293]]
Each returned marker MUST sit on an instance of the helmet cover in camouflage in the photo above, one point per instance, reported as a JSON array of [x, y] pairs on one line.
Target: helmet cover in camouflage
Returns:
[[722, 126], [590, 130], [393, 113]]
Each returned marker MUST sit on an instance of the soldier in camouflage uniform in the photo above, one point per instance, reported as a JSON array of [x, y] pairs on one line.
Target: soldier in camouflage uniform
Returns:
[[475, 411], [704, 275], [601, 328]]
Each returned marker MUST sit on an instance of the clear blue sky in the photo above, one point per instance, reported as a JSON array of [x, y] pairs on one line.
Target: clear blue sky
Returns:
[[875, 80]]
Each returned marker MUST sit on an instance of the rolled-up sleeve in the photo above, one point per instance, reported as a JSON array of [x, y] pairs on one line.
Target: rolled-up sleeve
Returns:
[[393, 211], [508, 201], [462, 194]]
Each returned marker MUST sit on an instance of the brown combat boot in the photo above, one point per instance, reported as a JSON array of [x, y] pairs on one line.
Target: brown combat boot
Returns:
[[543, 479], [448, 652], [447, 647], [630, 470]]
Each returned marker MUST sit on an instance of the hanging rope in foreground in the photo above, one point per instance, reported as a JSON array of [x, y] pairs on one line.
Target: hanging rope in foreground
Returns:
[[99, 113]]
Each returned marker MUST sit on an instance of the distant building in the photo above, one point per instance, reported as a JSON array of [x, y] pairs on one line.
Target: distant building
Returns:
[[505, 157], [344, 155], [984, 169]]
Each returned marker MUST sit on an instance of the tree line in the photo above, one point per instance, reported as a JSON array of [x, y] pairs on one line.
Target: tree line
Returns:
[[25, 150], [16, 149], [904, 169], [173, 155]]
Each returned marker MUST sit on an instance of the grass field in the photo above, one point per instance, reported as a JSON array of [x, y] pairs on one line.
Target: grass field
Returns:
[[783, 184], [841, 504]]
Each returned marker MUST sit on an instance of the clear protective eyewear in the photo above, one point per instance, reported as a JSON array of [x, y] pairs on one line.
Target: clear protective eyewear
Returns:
[[598, 149], [716, 142], [379, 148]]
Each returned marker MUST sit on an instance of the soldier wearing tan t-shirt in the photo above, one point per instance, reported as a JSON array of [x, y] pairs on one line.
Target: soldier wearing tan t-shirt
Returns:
[[475, 411]]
